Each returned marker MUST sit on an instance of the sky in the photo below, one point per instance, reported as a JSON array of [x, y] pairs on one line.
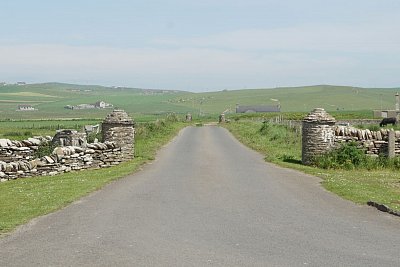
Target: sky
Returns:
[[202, 45]]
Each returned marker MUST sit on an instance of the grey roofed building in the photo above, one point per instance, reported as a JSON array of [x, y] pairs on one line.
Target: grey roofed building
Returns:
[[258, 108]]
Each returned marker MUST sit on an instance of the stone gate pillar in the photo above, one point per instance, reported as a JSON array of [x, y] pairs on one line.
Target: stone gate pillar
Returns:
[[221, 118], [119, 128], [318, 135], [188, 117]]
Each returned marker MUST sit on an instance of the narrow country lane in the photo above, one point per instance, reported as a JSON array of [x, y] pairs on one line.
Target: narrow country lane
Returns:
[[208, 201]]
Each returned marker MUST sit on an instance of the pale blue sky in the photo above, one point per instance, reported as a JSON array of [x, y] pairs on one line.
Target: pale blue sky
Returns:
[[201, 45]]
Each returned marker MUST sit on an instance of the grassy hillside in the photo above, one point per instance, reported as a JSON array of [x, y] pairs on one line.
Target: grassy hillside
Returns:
[[332, 98], [50, 99]]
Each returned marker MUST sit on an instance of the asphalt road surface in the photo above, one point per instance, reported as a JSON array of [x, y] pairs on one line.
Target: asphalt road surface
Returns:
[[208, 201]]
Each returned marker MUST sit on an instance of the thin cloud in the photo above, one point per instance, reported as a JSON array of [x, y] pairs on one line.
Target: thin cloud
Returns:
[[191, 68], [183, 60], [379, 37]]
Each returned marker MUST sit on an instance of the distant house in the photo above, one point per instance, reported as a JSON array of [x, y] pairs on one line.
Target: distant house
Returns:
[[100, 104], [24, 107], [257, 109], [21, 83]]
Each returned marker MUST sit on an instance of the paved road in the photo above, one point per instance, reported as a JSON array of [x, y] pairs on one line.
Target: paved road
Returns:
[[208, 201]]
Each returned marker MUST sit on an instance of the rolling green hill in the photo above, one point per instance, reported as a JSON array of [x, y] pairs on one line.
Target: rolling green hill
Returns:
[[332, 98], [50, 99]]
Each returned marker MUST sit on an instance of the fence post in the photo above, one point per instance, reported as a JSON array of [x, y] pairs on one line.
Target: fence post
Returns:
[[391, 144]]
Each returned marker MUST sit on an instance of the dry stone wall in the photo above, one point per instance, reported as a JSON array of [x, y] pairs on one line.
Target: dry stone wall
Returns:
[[374, 142], [18, 160], [64, 159], [11, 150], [320, 134]]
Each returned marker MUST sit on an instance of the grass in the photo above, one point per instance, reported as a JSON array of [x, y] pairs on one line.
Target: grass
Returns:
[[357, 185], [275, 142], [23, 129], [50, 98], [24, 199], [293, 99]]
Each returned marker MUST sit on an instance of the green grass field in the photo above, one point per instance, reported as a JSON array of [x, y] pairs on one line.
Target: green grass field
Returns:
[[51, 98], [23, 129], [332, 98]]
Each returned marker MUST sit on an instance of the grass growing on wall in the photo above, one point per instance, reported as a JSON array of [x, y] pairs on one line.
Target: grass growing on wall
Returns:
[[24, 199], [380, 184]]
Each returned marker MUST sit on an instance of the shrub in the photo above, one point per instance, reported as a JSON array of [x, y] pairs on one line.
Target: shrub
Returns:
[[148, 128], [280, 134], [92, 136], [347, 156], [264, 128], [172, 117], [44, 149]]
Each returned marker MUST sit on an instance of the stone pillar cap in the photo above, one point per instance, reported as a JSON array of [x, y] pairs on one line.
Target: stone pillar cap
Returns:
[[118, 116], [319, 115]]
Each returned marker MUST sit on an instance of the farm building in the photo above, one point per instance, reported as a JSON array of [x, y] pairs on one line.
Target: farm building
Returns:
[[102, 104], [389, 113], [257, 109], [98, 104]]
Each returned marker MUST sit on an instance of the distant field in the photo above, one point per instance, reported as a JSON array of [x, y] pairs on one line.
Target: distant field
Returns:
[[50, 99], [302, 99], [26, 94], [19, 130]]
